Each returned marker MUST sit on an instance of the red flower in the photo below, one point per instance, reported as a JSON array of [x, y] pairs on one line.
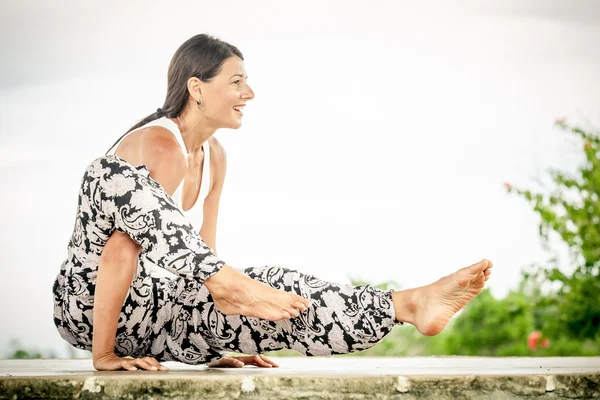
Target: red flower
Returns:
[[561, 121], [507, 185], [532, 340], [545, 343]]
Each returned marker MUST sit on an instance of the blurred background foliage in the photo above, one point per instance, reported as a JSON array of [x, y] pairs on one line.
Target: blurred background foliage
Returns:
[[553, 312]]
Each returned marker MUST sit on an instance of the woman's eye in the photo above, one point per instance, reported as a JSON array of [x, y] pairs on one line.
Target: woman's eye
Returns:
[[236, 82]]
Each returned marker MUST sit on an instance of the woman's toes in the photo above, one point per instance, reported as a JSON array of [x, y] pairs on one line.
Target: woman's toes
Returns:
[[474, 268], [480, 266], [285, 315], [302, 300], [293, 312], [299, 305]]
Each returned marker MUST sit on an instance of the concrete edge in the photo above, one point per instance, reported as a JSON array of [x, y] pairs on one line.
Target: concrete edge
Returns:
[[235, 386]]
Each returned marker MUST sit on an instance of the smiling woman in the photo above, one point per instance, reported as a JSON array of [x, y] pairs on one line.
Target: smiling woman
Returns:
[[135, 211]]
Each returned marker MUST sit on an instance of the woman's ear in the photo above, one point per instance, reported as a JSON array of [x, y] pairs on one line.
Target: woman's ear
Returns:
[[194, 86]]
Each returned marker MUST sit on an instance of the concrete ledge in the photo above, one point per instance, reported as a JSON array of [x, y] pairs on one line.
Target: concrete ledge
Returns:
[[313, 378]]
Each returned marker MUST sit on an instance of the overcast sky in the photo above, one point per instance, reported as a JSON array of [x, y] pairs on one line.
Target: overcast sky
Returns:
[[376, 147]]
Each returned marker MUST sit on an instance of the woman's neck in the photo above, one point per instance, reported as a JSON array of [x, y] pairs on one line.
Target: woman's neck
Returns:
[[194, 131]]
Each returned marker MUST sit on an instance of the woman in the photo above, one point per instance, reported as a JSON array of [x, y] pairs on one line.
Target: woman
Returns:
[[136, 210]]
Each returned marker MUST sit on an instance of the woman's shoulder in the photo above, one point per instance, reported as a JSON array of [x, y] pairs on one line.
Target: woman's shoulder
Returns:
[[153, 139], [157, 149], [152, 146], [157, 135]]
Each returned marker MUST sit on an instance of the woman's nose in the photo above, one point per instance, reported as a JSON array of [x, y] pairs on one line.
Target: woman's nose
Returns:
[[249, 95]]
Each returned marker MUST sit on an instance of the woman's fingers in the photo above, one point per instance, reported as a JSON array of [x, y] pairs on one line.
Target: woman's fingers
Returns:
[[266, 360], [239, 361], [152, 361], [227, 362], [139, 362], [128, 365], [234, 362], [273, 363], [238, 364], [218, 363], [258, 361], [143, 364], [146, 363]]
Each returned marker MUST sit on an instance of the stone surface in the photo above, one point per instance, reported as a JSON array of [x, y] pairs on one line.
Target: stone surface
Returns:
[[313, 378]]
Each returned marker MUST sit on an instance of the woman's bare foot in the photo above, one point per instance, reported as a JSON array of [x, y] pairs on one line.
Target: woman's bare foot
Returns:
[[234, 293], [429, 308]]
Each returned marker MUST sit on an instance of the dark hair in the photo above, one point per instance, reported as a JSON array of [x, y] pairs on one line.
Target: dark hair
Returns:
[[202, 56]]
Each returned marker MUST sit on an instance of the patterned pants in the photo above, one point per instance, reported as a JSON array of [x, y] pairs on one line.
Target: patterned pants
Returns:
[[176, 319]]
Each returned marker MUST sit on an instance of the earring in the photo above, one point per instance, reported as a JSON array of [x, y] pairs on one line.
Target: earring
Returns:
[[200, 104]]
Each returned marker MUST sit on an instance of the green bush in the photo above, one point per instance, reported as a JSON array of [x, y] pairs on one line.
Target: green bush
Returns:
[[569, 212]]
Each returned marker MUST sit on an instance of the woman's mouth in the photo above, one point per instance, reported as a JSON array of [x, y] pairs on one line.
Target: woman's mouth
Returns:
[[239, 109]]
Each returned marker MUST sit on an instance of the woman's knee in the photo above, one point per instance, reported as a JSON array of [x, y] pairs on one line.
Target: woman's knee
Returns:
[[105, 167]]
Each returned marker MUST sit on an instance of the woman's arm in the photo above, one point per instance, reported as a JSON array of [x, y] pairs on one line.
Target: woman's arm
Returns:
[[162, 156], [218, 164]]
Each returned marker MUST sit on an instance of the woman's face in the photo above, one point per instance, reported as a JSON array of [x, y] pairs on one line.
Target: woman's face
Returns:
[[226, 94]]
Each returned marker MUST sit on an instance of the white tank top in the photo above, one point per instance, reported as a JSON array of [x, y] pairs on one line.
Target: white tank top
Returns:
[[195, 215]]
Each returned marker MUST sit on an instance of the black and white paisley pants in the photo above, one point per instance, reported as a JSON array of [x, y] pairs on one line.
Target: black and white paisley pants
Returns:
[[176, 319]]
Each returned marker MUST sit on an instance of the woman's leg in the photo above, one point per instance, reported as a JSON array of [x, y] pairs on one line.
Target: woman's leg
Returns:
[[341, 319]]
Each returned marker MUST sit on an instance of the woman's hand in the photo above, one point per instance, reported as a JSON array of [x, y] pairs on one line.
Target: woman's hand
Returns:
[[239, 361], [112, 362]]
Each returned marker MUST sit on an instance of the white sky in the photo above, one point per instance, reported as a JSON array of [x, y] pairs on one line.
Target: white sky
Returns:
[[376, 146]]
